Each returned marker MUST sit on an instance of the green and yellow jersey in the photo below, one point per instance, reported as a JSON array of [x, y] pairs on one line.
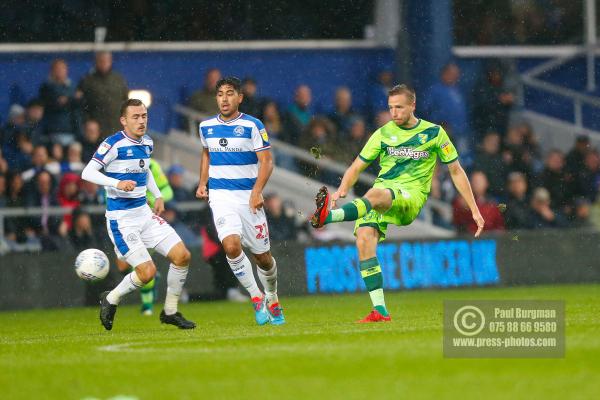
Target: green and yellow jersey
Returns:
[[408, 155], [407, 158]]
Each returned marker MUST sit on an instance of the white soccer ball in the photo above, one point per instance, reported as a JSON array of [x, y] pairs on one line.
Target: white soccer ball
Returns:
[[92, 265]]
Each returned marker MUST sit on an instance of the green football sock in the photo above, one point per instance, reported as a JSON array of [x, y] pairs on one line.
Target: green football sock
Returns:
[[352, 211], [147, 292], [370, 270]]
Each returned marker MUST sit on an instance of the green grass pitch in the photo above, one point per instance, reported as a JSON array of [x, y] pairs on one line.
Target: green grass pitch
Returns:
[[319, 354]]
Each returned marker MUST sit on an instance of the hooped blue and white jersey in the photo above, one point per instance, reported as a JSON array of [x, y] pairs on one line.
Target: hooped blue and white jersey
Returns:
[[124, 158], [232, 147]]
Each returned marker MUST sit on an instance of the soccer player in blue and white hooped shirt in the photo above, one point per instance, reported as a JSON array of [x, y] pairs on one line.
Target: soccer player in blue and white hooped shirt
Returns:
[[235, 167], [132, 226]]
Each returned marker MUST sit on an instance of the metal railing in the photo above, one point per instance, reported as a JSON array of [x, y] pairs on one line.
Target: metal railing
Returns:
[[194, 118], [18, 212]]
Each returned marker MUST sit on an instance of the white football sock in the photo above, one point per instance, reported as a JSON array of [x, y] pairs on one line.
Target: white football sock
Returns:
[[175, 280], [242, 269], [130, 282], [269, 282]]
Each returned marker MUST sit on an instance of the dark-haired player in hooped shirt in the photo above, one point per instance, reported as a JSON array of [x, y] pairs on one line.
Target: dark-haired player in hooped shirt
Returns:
[[235, 167], [132, 226]]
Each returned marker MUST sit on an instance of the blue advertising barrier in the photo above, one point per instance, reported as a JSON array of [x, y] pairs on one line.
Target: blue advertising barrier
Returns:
[[448, 263]]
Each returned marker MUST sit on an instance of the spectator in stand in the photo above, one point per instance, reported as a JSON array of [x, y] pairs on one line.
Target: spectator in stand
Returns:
[[41, 162], [462, 217], [343, 114], [379, 92], [575, 160], [492, 102], [203, 100], [91, 194], [489, 161], [14, 125], [49, 229], [282, 222], [73, 162], [252, 104], [516, 155], [445, 103], [587, 179], [57, 95], [16, 227], [103, 91], [57, 153], [381, 118], [274, 127], [354, 141], [518, 214], [91, 140], [68, 195], [581, 217], [180, 192], [81, 234], [320, 139], [299, 115], [34, 114], [543, 216], [556, 181]]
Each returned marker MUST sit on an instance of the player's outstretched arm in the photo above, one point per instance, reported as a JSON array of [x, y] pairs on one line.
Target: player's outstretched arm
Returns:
[[461, 182], [349, 180], [202, 191], [91, 173], [265, 169]]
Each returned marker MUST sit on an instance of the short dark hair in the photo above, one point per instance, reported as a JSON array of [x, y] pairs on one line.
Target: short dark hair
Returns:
[[232, 81], [405, 90], [130, 103]]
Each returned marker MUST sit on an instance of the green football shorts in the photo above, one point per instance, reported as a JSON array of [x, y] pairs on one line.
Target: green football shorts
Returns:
[[406, 205]]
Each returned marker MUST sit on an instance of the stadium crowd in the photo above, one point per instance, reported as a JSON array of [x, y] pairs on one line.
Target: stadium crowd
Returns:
[[45, 144]]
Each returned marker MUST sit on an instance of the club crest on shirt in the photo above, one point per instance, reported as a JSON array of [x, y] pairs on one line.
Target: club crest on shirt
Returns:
[[264, 135], [104, 147], [422, 138], [238, 130]]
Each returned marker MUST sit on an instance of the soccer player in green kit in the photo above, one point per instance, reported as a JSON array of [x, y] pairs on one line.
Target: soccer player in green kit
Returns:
[[407, 148]]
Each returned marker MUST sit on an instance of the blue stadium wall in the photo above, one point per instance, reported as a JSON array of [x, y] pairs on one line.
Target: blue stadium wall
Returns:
[[172, 76]]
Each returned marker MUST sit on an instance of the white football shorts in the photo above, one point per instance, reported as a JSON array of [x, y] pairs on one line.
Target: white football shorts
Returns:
[[238, 219], [134, 234]]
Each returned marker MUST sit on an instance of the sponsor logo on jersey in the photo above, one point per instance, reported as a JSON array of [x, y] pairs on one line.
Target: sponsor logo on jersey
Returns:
[[223, 142], [264, 135], [238, 130], [446, 148], [134, 170], [142, 163], [129, 153], [104, 147], [407, 152], [210, 131]]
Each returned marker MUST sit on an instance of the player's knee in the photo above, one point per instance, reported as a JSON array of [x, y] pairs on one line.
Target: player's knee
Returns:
[[182, 257], [232, 247], [146, 271], [366, 239]]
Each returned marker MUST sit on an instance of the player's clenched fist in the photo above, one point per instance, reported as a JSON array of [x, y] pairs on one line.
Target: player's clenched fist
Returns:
[[126, 186], [256, 201], [202, 192]]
